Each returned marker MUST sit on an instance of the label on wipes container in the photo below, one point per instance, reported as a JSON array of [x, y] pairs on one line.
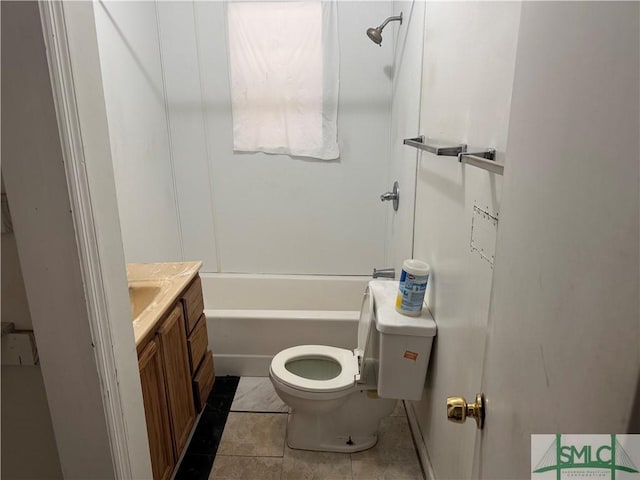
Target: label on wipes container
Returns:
[[411, 293]]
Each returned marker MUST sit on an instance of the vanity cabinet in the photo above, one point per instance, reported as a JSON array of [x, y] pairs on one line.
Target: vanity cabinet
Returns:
[[200, 361], [173, 345], [155, 411], [193, 303], [203, 380], [176, 373]]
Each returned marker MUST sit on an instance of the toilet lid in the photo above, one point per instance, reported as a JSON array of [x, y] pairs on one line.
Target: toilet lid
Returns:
[[306, 354]]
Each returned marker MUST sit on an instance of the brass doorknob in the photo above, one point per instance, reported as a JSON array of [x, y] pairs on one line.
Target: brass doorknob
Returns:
[[458, 409]]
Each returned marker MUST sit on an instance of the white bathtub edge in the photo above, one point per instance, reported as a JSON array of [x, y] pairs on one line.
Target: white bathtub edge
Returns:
[[325, 315]]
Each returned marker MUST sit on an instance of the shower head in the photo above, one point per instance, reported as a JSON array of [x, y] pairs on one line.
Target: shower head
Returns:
[[375, 34]]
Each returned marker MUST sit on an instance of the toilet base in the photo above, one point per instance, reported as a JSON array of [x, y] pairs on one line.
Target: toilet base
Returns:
[[353, 427]]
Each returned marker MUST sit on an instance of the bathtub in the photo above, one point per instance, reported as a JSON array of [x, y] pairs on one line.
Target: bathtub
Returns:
[[251, 317]]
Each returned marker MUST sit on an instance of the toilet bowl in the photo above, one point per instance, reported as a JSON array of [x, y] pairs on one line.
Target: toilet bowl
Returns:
[[336, 396], [314, 377]]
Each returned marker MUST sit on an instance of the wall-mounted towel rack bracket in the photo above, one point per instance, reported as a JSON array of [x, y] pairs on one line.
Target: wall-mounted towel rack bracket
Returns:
[[447, 151], [485, 159], [488, 154]]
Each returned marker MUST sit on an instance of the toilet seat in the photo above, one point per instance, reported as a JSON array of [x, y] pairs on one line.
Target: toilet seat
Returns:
[[343, 381]]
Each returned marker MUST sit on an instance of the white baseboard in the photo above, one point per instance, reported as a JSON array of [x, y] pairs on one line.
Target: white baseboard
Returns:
[[418, 440]]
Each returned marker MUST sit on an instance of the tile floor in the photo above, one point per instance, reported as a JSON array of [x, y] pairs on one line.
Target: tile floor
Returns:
[[256, 394], [253, 447]]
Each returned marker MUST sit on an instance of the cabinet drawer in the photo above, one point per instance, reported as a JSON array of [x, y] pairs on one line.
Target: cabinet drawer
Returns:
[[198, 343], [203, 380], [193, 303]]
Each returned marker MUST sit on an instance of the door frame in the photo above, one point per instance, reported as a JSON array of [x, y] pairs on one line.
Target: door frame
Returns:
[[99, 241]]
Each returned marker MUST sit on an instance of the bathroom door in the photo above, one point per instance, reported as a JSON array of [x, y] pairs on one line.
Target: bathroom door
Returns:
[[562, 339], [405, 121]]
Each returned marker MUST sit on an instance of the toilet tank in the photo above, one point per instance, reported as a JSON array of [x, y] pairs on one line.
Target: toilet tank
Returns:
[[404, 344]]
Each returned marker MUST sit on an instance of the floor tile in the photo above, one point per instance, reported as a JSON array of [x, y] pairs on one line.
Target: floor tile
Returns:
[[194, 467], [395, 444], [381, 470], [246, 468], [306, 465], [256, 394], [394, 456], [399, 411], [254, 434], [251, 445]]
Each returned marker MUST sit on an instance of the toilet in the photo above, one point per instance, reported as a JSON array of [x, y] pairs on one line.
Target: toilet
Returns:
[[337, 397]]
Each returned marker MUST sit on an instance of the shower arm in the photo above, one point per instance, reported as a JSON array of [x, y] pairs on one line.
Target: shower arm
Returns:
[[391, 19]]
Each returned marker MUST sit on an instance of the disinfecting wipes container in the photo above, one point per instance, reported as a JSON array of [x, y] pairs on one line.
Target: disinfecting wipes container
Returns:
[[413, 285]]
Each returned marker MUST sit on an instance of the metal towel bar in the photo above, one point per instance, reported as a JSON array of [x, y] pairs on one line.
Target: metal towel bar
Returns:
[[448, 151], [484, 159]]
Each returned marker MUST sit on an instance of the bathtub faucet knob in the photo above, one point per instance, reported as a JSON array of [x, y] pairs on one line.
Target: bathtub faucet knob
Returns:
[[385, 197], [393, 195], [384, 273]]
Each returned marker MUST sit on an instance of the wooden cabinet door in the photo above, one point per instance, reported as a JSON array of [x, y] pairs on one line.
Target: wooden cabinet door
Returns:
[[175, 359], [156, 412]]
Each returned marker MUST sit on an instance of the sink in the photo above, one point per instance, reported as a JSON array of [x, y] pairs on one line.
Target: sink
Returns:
[[141, 296], [153, 289]]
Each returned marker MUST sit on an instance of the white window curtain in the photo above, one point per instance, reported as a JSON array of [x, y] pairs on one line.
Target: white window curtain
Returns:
[[284, 67]]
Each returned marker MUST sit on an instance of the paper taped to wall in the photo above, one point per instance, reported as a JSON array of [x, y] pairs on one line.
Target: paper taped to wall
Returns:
[[284, 68]]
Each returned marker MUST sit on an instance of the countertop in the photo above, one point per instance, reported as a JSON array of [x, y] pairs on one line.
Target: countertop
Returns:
[[169, 278]]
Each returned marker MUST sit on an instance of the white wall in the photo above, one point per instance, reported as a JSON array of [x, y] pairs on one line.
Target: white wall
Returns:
[[28, 445], [165, 73], [34, 175], [405, 123], [15, 308], [469, 58], [134, 96], [26, 421]]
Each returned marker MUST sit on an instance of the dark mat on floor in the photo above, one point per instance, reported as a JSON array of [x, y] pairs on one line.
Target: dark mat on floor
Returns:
[[201, 451]]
